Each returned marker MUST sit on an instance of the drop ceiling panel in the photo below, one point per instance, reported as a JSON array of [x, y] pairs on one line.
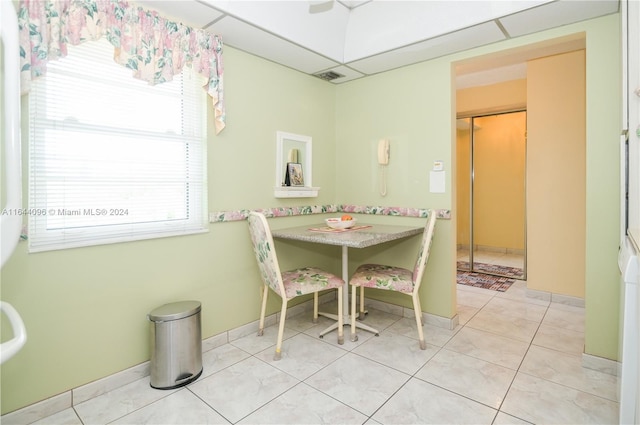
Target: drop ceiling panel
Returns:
[[243, 36], [439, 46], [556, 14], [509, 7], [189, 13], [321, 32], [361, 37], [380, 26]]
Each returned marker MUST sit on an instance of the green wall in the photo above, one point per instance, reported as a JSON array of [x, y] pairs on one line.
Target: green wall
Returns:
[[85, 309], [401, 106], [602, 289]]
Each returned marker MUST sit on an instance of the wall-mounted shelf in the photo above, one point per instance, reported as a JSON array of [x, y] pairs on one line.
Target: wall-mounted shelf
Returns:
[[295, 192], [296, 149]]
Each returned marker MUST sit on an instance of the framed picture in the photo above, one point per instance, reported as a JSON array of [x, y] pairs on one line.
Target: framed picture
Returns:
[[294, 174]]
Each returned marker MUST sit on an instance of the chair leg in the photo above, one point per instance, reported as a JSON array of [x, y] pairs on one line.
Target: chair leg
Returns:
[[263, 310], [283, 315], [340, 317], [315, 307], [354, 337], [420, 307], [361, 316], [418, 310]]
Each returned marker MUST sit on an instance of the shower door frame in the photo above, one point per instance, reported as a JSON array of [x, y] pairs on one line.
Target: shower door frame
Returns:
[[471, 119]]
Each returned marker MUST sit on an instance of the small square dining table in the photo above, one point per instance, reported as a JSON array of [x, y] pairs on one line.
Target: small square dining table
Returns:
[[360, 236]]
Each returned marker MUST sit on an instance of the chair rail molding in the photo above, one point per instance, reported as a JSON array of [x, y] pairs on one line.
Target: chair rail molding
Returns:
[[238, 215]]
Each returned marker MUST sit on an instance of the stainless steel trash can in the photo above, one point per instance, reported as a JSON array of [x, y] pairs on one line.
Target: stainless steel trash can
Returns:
[[176, 344]]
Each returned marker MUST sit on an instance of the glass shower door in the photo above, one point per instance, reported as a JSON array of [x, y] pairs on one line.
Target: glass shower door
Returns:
[[496, 207]]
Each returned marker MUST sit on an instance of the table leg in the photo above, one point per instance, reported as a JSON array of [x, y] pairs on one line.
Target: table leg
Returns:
[[345, 302]]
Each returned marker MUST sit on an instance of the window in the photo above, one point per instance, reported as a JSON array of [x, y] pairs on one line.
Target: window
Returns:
[[111, 158]]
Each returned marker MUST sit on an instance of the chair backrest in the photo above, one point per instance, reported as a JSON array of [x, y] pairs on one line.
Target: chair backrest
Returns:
[[264, 249], [425, 247]]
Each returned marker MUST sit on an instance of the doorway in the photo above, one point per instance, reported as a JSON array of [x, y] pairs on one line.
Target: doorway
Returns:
[[491, 224]]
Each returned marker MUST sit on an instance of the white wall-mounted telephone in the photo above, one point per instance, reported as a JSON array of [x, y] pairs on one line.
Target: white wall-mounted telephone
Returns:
[[383, 160], [383, 152]]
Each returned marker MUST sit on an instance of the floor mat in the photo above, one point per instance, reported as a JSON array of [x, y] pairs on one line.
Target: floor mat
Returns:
[[486, 281], [512, 272]]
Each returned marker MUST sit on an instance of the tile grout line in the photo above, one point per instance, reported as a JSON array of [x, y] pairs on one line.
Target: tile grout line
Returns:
[[515, 375], [498, 410]]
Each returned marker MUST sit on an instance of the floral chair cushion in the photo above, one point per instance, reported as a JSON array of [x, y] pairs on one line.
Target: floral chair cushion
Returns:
[[297, 282], [308, 280], [383, 277]]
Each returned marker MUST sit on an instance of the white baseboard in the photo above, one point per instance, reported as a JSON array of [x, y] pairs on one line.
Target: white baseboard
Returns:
[[432, 319], [555, 298], [567, 300], [601, 364], [441, 322], [39, 410], [75, 396]]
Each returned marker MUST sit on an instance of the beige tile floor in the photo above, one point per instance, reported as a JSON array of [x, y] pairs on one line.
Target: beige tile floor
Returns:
[[512, 359], [493, 257]]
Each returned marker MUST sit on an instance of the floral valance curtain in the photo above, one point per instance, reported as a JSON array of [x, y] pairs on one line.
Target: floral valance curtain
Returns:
[[153, 47]]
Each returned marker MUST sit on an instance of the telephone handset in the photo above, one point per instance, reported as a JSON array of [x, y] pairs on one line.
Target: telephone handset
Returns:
[[383, 160], [383, 152]]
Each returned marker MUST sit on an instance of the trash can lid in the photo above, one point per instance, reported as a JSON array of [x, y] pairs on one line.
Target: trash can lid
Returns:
[[174, 311]]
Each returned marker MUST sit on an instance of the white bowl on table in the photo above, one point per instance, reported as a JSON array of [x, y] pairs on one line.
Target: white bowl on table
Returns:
[[338, 223]]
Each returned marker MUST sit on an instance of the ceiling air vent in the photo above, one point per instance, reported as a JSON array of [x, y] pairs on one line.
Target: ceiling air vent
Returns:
[[329, 75]]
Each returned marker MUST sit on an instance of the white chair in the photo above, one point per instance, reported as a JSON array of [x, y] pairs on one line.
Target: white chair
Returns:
[[396, 279], [288, 284]]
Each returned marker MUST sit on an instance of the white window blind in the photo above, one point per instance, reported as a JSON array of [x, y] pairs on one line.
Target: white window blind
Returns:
[[111, 158]]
